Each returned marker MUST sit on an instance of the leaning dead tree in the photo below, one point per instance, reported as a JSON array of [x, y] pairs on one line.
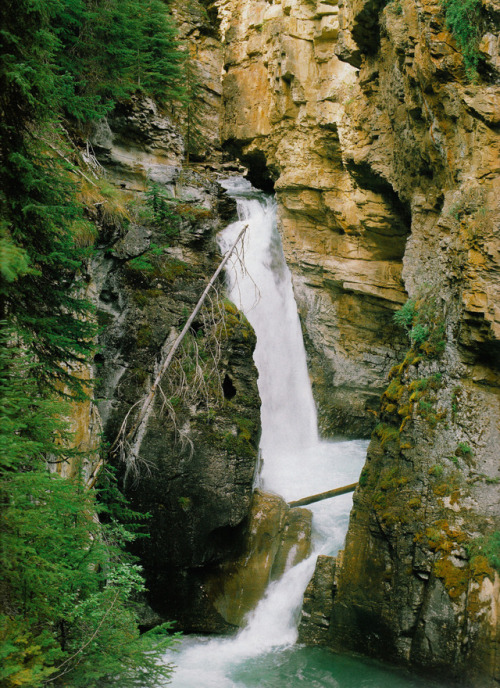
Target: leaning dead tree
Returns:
[[128, 441]]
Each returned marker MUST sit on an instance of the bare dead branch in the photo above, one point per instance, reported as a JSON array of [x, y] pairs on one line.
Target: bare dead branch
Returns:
[[127, 444]]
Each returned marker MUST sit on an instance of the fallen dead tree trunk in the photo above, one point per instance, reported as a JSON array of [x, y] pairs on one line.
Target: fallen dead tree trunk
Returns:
[[127, 443], [324, 495]]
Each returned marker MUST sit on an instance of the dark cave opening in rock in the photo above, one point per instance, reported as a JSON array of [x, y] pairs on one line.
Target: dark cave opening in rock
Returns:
[[259, 172], [228, 388]]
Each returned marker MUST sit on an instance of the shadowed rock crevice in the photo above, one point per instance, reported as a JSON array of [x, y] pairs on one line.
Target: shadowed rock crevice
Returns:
[[228, 388], [258, 172]]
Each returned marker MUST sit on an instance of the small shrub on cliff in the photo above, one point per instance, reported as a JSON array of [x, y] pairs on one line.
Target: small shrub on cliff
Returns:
[[404, 317], [419, 334], [464, 449], [163, 210], [424, 324], [463, 20]]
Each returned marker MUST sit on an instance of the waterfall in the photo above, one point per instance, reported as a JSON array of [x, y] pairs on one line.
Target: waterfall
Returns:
[[295, 462], [260, 284]]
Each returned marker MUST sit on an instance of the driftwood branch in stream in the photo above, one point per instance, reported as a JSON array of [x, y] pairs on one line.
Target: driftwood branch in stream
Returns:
[[324, 495]]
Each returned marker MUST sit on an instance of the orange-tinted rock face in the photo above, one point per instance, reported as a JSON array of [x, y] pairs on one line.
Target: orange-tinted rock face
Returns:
[[388, 185], [278, 537], [285, 94]]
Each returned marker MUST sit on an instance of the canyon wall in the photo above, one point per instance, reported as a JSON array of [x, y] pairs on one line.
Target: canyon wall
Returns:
[[385, 158], [192, 466], [344, 228], [424, 530]]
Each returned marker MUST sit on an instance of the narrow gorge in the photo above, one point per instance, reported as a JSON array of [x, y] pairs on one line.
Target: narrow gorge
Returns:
[[353, 337]]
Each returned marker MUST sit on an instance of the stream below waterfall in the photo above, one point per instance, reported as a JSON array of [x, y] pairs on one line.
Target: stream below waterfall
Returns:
[[295, 463]]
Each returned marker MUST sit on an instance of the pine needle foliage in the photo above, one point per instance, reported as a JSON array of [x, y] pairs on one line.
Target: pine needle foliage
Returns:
[[66, 616], [44, 298], [111, 49]]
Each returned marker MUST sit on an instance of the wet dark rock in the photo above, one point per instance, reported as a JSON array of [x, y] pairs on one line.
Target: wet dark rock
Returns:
[[314, 622]]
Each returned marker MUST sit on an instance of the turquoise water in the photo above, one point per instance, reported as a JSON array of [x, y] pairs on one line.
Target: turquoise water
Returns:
[[296, 666], [320, 668]]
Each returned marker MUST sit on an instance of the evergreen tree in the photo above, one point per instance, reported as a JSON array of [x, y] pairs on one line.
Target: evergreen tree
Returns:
[[66, 616], [66, 581], [114, 48]]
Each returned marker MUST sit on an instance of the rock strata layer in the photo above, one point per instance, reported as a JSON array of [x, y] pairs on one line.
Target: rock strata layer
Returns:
[[419, 566]]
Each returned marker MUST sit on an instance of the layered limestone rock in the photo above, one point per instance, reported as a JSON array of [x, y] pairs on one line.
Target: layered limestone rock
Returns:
[[137, 142], [285, 93], [388, 184], [278, 538]]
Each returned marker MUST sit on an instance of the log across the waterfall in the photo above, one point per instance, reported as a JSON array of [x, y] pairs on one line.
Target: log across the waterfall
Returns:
[[324, 495]]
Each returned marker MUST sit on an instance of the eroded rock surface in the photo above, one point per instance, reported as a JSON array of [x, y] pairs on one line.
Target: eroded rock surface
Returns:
[[285, 93], [277, 538], [137, 142], [412, 572]]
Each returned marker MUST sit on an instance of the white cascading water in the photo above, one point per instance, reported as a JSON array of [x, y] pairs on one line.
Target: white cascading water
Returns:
[[261, 287], [295, 462]]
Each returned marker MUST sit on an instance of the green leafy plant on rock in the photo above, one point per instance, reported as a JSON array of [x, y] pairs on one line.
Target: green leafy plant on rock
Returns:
[[463, 18], [422, 318], [464, 449]]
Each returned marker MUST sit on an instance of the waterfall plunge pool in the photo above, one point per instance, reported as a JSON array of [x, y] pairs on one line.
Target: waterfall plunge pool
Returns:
[[296, 463], [204, 663]]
